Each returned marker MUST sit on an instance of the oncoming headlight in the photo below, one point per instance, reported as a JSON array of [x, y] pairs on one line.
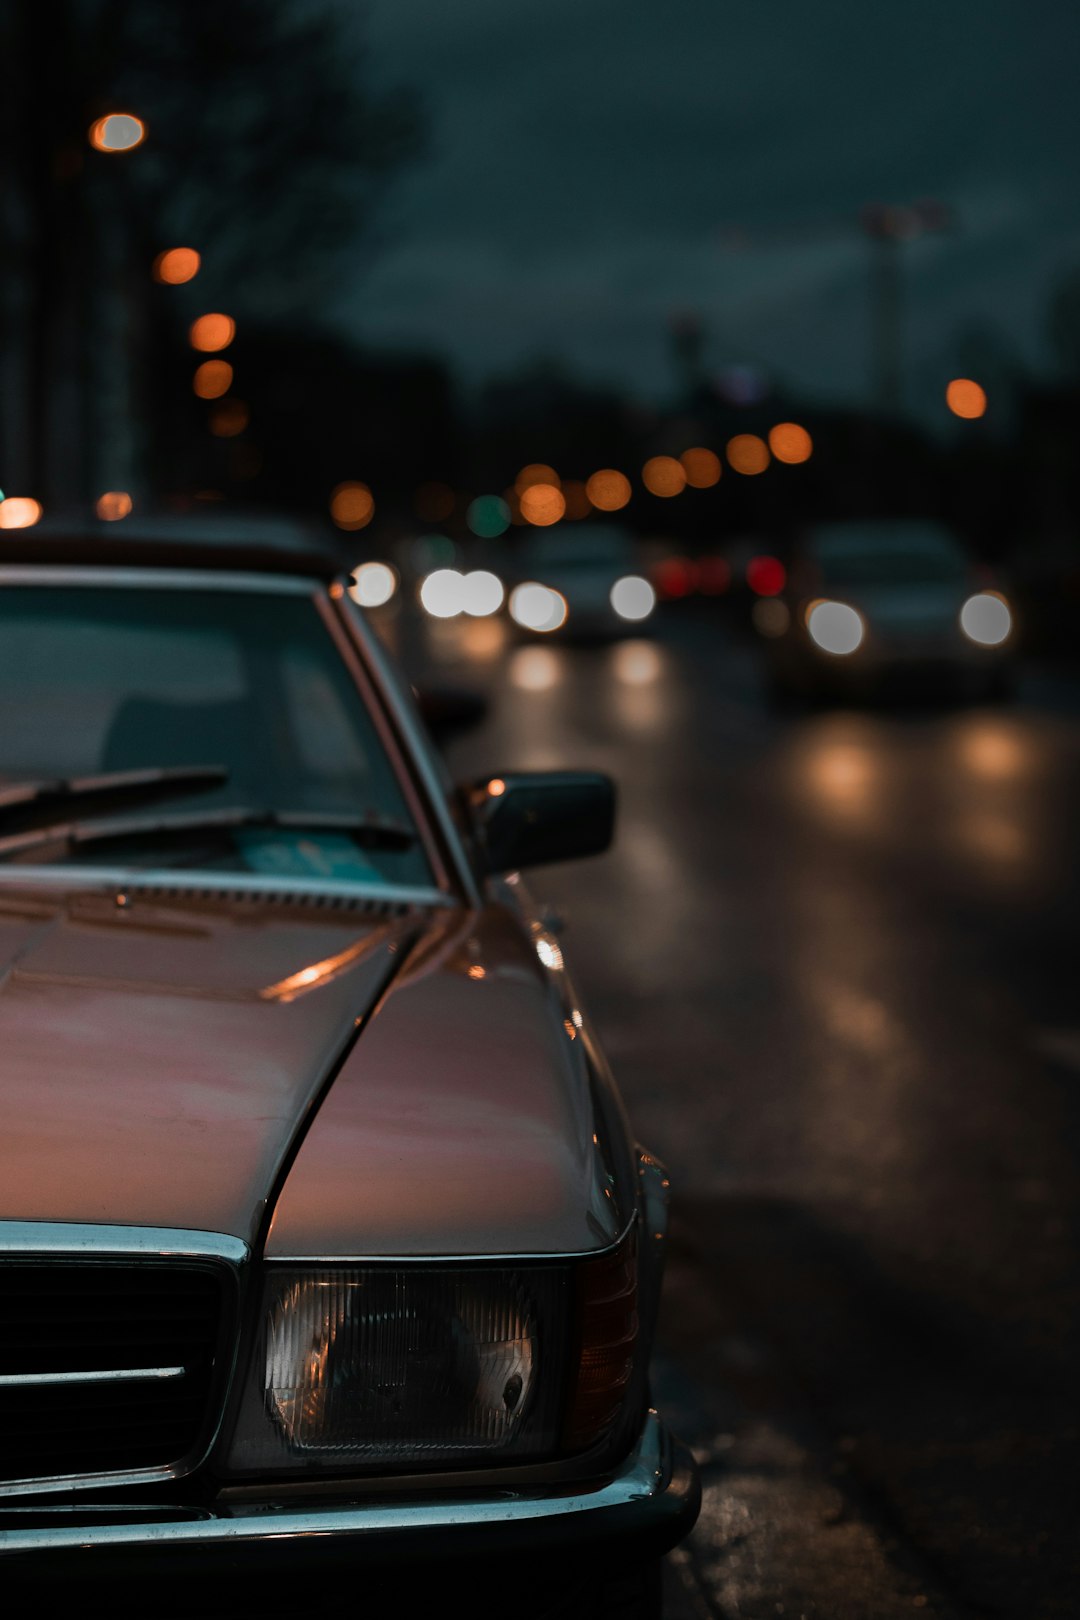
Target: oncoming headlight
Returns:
[[632, 597], [835, 627], [985, 619], [416, 1367], [537, 607]]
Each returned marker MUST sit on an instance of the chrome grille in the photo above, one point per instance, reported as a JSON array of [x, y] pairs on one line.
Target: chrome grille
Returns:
[[104, 1316]]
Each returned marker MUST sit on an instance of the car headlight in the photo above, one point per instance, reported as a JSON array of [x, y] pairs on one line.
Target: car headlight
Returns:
[[538, 607], [835, 627], [985, 619], [632, 597], [422, 1366]]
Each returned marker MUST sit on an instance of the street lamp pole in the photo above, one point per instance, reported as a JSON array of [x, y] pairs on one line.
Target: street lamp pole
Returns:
[[888, 229]]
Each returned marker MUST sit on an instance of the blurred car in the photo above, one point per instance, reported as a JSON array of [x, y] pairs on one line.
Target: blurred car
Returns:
[[325, 1244], [582, 579], [868, 605]]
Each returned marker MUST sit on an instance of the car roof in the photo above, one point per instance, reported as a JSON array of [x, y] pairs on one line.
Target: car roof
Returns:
[[245, 545], [838, 541]]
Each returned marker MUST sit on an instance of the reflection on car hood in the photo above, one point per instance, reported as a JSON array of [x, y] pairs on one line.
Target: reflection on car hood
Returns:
[[462, 1121], [156, 1060], [160, 1061]]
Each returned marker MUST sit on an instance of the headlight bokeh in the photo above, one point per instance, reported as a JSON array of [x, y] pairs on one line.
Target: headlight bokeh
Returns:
[[835, 627], [985, 619], [632, 597], [374, 583], [537, 607]]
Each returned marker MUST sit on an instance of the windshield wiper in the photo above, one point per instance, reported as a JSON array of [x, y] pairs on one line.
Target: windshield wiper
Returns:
[[20, 800], [372, 830]]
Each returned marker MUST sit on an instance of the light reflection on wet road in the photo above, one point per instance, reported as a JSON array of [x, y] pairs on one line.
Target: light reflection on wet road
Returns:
[[833, 961]]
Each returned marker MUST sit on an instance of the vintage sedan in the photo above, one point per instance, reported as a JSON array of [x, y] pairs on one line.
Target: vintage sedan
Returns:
[[325, 1245]]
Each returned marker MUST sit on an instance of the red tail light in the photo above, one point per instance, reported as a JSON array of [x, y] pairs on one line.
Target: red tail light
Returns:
[[607, 1340]]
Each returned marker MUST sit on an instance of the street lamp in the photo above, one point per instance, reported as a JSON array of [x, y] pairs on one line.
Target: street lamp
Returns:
[[176, 265], [19, 512], [212, 332]]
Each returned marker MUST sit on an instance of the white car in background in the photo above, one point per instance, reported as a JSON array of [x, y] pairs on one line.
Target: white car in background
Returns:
[[871, 604], [583, 580]]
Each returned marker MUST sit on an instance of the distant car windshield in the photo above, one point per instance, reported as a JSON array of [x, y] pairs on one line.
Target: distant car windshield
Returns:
[[106, 678], [594, 546], [888, 554]]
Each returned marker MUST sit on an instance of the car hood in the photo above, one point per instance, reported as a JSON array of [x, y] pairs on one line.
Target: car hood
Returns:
[[391, 1081], [157, 1060], [463, 1122]]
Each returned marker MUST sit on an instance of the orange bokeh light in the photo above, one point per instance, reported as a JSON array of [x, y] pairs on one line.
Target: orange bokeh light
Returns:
[[113, 505], [791, 443], [176, 265], [577, 500], [702, 468], [663, 475], [747, 454], [966, 398], [212, 332], [352, 505], [608, 490], [537, 472], [19, 512], [542, 504], [212, 379], [229, 418]]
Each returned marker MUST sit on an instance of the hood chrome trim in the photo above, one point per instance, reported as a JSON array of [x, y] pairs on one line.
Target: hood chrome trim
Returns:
[[113, 1375], [83, 1242]]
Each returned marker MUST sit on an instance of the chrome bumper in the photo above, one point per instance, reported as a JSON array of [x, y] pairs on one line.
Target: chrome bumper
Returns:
[[653, 1501]]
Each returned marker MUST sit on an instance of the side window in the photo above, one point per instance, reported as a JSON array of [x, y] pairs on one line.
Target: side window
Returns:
[[395, 679]]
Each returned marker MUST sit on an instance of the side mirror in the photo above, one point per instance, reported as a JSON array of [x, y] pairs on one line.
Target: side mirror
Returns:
[[525, 818]]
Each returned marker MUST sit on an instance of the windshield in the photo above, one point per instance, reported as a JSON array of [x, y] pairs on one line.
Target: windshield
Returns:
[[101, 679], [889, 554], [599, 546]]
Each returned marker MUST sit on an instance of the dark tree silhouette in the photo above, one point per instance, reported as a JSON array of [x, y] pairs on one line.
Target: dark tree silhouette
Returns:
[[267, 150]]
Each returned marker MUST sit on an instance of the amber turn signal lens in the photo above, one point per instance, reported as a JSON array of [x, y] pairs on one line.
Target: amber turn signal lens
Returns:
[[607, 1340]]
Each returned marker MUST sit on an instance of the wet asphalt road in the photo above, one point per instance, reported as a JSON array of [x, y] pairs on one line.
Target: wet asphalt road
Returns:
[[834, 962]]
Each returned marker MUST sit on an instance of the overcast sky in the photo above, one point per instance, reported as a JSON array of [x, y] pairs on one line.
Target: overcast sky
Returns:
[[589, 159]]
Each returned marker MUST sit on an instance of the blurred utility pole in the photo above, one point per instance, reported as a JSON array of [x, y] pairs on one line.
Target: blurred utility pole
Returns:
[[887, 229], [687, 334]]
